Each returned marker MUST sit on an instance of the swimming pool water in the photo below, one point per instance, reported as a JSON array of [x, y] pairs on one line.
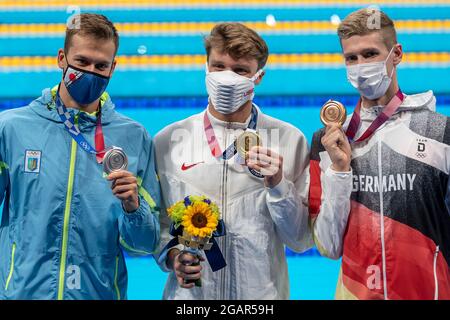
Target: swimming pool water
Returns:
[[311, 278]]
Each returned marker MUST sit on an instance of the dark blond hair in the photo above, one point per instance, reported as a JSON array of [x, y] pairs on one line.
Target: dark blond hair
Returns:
[[366, 21], [238, 41], [92, 25]]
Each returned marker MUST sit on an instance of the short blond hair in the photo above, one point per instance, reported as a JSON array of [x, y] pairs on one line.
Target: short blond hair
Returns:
[[238, 41], [366, 21]]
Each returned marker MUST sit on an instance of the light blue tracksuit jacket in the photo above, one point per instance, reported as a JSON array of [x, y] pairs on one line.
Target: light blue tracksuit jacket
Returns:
[[62, 230]]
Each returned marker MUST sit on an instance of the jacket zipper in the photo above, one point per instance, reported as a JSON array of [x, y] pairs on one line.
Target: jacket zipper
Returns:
[[11, 267], [381, 190], [62, 265], [224, 212], [436, 283]]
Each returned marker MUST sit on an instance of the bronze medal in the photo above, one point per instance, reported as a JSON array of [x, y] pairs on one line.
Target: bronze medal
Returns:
[[333, 112]]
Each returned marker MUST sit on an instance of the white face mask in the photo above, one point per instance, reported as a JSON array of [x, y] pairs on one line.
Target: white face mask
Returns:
[[228, 91], [371, 79]]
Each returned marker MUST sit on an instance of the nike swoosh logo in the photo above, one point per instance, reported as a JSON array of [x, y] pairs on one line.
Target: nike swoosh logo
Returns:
[[185, 167]]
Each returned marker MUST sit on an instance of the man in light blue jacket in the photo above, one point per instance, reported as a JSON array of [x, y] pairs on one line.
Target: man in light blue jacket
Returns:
[[65, 221]]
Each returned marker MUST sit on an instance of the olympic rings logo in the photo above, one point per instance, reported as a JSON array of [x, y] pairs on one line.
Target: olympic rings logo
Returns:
[[421, 155], [84, 145]]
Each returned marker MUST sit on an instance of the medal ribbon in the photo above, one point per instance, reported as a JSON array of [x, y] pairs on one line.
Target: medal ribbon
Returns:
[[74, 131], [216, 151], [388, 111]]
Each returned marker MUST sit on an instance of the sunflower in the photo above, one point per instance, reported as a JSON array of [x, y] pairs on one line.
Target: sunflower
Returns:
[[199, 220]]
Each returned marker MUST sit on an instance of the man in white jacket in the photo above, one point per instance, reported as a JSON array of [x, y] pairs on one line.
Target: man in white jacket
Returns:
[[262, 200]]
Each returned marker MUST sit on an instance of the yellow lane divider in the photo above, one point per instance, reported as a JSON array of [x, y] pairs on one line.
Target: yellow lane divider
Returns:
[[46, 62], [13, 4], [205, 27]]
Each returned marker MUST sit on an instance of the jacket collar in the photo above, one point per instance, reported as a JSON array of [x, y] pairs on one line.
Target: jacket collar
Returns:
[[45, 107], [412, 103], [231, 125]]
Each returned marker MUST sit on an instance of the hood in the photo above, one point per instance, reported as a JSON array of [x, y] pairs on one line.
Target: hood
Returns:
[[420, 101], [415, 102], [412, 103]]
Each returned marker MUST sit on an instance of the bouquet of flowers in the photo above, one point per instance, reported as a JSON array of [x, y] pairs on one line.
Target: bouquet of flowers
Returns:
[[196, 221]]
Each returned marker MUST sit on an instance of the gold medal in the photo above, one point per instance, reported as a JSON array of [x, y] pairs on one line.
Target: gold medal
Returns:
[[247, 140], [333, 112]]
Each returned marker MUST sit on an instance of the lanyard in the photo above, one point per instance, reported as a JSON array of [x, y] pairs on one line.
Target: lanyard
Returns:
[[214, 144], [216, 151], [72, 128], [388, 111]]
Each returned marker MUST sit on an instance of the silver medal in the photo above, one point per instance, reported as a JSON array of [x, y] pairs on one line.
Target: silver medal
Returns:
[[115, 159]]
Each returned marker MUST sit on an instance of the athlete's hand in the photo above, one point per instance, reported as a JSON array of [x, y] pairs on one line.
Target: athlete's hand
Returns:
[[336, 144], [124, 186], [268, 163], [186, 267]]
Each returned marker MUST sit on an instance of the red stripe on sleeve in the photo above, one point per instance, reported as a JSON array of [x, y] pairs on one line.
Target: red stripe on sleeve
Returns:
[[315, 188]]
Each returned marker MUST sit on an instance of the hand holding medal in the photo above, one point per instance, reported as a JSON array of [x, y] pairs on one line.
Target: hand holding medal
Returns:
[[114, 159], [261, 161], [124, 186], [335, 142], [268, 163]]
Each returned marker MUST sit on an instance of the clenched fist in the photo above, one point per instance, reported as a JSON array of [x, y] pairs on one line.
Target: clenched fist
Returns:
[[336, 144], [186, 267], [125, 188], [268, 163]]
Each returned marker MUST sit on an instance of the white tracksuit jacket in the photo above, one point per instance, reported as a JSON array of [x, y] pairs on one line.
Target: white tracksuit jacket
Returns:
[[259, 221]]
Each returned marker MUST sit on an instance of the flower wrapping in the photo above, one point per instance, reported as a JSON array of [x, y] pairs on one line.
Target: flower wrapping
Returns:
[[195, 223]]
